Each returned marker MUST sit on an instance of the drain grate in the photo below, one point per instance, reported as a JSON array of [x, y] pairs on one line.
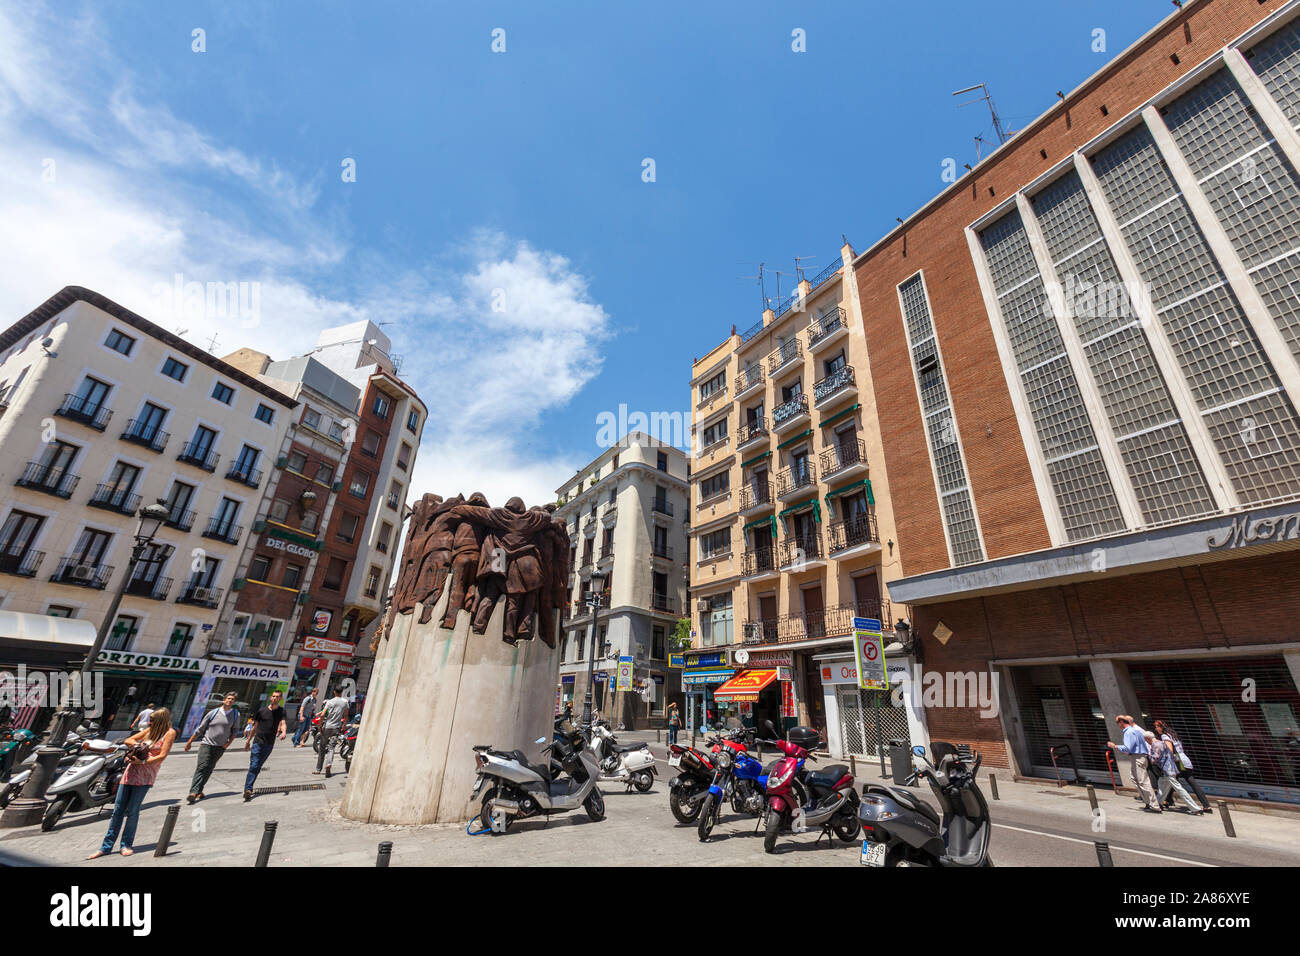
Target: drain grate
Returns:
[[289, 788]]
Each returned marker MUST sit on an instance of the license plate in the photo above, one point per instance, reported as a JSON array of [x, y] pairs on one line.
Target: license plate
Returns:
[[675, 760], [873, 854]]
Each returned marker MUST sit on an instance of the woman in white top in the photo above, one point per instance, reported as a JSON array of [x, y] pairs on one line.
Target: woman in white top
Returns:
[[1163, 755], [1183, 762]]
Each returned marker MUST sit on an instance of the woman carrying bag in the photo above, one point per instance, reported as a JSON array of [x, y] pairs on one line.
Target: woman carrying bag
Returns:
[[1183, 761]]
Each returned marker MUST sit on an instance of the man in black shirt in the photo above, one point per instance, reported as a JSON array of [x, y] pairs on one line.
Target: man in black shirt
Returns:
[[267, 724]]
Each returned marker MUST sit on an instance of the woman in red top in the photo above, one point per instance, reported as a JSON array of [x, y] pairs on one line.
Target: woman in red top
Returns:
[[136, 781]]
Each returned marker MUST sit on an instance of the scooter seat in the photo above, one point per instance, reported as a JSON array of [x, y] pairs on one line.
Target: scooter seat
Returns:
[[520, 758], [626, 748], [827, 777]]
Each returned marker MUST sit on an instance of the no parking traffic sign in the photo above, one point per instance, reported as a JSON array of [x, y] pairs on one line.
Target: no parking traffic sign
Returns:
[[869, 654]]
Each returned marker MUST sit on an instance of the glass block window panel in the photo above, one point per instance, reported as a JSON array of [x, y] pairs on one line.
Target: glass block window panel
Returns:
[[1166, 475], [1277, 61], [1133, 175], [1212, 125], [941, 433], [1218, 351], [1279, 285], [1056, 405], [1260, 443]]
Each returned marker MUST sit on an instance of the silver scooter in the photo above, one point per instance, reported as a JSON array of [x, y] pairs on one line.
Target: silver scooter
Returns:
[[71, 752], [517, 789], [91, 781], [630, 764]]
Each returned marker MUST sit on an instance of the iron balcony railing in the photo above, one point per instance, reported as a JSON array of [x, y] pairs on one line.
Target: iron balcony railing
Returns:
[[784, 305], [826, 273], [753, 494], [606, 552], [153, 588], [787, 410], [834, 621], [223, 529], [840, 379], [180, 519], [661, 551], [749, 378], [81, 409], [662, 507], [663, 602], [393, 501], [793, 479], [114, 498], [782, 356], [140, 432], [827, 324], [197, 594], [52, 481], [750, 429], [245, 474], [841, 455], [751, 332], [763, 631], [800, 549], [201, 456], [24, 565], [758, 560], [854, 531], [73, 569]]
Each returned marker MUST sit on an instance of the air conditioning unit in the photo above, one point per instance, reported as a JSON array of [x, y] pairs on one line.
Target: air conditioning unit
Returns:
[[202, 594], [83, 572], [702, 606]]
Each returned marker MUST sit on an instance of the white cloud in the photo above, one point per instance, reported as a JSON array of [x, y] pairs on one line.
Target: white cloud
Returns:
[[140, 195]]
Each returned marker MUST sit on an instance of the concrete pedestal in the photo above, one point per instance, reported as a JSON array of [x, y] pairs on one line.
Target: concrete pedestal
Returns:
[[435, 693]]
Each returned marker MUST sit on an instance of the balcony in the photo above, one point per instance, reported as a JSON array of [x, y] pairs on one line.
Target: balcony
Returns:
[[831, 622], [802, 554], [830, 328], [751, 431], [663, 603], [50, 480], [200, 456], [223, 529], [843, 459], [791, 481], [75, 570], [758, 563], [749, 381], [664, 508], [606, 557], [826, 273], [154, 590], [791, 413], [752, 332], [140, 432], [764, 631], [589, 526], [180, 519], [784, 357], [393, 501], [79, 408], [588, 565], [856, 534], [839, 384], [23, 565], [199, 596], [755, 497], [114, 498], [661, 552], [245, 474]]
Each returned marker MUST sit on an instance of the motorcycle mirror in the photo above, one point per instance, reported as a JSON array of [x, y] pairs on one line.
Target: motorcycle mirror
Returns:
[[540, 740], [769, 726], [918, 751]]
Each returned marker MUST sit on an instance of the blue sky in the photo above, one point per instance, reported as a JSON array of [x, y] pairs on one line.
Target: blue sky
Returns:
[[479, 171]]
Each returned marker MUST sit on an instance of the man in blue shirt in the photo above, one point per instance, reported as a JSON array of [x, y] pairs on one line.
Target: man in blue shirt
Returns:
[[1135, 743]]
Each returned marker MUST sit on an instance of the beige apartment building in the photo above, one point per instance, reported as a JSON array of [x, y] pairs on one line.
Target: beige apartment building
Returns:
[[791, 520], [626, 513]]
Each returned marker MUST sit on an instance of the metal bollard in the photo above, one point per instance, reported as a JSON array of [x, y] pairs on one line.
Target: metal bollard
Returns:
[[853, 766], [657, 740], [385, 853], [993, 785], [1103, 854], [1092, 797], [165, 835], [1228, 828], [268, 837]]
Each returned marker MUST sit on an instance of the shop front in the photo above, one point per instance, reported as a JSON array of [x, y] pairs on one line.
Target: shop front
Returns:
[[779, 699], [860, 722], [133, 681], [252, 682], [704, 672], [38, 654]]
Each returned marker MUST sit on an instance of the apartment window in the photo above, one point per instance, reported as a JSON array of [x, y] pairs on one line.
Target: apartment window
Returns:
[[264, 635], [413, 422], [715, 543], [179, 643], [334, 574], [385, 533], [713, 385], [381, 406], [279, 510], [247, 460], [297, 462], [348, 527], [292, 575], [404, 456], [336, 432], [124, 631], [715, 433], [174, 369], [259, 569], [325, 473], [120, 342], [202, 442], [360, 486], [311, 418], [60, 610], [264, 413], [370, 444], [662, 463], [372, 582], [716, 621], [223, 393], [715, 485], [309, 521], [658, 644], [178, 501], [395, 495]]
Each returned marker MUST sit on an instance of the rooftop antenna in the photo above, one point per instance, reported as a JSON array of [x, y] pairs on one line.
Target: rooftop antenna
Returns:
[[987, 98], [212, 343], [979, 141], [779, 273], [798, 269], [762, 284]]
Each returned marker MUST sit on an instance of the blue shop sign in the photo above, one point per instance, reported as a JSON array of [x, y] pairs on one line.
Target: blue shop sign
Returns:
[[707, 676], [709, 659]]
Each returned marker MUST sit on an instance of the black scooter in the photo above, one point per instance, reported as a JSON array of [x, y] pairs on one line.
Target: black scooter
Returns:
[[900, 829]]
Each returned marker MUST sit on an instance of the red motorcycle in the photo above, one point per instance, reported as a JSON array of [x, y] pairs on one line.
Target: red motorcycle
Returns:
[[687, 790], [799, 801]]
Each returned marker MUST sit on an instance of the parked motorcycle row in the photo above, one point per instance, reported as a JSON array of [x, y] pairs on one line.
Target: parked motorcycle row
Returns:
[[897, 828], [23, 758]]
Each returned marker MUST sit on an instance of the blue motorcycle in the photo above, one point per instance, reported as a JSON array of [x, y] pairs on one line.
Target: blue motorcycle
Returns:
[[738, 777]]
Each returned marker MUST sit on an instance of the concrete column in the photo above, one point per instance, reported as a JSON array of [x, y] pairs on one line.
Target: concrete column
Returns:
[[435, 693], [1012, 727], [1115, 690]]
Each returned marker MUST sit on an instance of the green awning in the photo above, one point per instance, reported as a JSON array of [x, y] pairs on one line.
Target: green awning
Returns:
[[746, 464], [791, 441], [838, 415], [769, 520], [816, 507], [871, 499]]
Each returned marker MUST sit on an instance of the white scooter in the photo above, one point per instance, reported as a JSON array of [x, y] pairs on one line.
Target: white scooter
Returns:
[[91, 781], [633, 765]]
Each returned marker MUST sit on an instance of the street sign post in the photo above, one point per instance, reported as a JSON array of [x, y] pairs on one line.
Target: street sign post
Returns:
[[869, 654], [624, 673]]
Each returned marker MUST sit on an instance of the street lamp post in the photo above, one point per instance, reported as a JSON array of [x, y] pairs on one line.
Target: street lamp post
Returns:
[[593, 601], [29, 807]]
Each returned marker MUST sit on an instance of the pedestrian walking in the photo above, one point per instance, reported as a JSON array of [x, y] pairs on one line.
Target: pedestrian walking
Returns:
[[334, 713], [674, 723], [1183, 762], [1162, 755], [1135, 744], [217, 728], [306, 711], [142, 719], [136, 781], [266, 725]]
